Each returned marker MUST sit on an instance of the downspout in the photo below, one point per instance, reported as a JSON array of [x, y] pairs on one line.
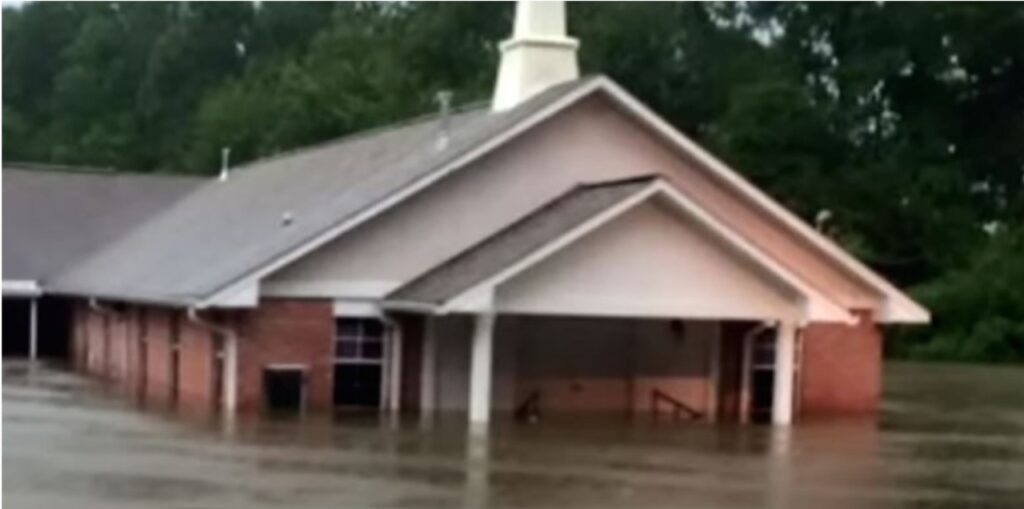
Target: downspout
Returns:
[[394, 363], [94, 304], [33, 329], [229, 387]]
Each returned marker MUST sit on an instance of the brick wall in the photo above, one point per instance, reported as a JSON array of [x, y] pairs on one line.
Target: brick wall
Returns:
[[842, 368], [286, 331], [138, 357]]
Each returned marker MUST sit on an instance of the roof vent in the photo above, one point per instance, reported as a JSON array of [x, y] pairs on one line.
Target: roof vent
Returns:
[[444, 103], [287, 218], [225, 159]]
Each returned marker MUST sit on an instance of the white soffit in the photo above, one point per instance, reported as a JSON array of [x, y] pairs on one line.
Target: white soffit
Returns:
[[356, 309], [21, 288]]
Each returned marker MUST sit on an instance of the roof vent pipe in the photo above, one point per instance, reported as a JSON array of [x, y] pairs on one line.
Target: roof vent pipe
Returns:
[[225, 158], [444, 103]]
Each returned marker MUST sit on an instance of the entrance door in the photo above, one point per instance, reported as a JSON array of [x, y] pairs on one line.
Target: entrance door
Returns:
[[16, 325], [762, 377], [284, 389], [358, 362]]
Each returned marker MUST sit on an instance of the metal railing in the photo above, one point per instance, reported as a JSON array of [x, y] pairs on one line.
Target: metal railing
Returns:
[[529, 409], [679, 409]]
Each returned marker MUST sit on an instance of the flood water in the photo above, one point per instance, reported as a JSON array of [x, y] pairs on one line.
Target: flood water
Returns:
[[948, 436]]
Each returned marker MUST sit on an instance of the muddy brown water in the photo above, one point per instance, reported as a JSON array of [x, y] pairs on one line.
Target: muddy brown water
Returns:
[[948, 436]]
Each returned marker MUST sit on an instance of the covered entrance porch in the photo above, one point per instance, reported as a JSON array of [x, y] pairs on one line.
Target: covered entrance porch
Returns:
[[622, 297], [533, 368]]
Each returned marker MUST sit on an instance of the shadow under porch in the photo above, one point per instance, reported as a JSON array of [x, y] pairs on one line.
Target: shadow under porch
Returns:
[[548, 367]]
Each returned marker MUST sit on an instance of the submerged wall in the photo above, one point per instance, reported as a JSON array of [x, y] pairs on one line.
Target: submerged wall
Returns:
[[841, 371], [580, 364], [162, 358]]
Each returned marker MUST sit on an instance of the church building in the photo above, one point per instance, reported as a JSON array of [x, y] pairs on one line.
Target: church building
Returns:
[[561, 249]]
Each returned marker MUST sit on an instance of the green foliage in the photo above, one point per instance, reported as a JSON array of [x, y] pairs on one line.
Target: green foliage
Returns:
[[978, 309], [904, 122]]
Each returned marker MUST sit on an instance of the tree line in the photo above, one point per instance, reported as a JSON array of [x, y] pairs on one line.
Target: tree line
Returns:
[[897, 129]]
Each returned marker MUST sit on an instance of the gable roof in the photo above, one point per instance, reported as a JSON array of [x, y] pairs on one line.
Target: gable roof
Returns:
[[211, 247], [226, 231], [549, 222], [53, 216], [560, 223], [897, 306]]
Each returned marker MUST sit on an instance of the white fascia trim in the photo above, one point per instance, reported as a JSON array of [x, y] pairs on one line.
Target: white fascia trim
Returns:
[[347, 308], [815, 306], [329, 288], [899, 307], [242, 296], [409, 306], [21, 288], [408, 191]]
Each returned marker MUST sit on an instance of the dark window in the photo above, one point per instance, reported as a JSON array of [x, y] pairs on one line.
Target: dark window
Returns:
[[357, 385], [373, 350], [283, 389], [359, 340], [358, 362]]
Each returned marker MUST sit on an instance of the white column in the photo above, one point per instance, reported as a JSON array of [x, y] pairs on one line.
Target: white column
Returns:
[[33, 329], [428, 368], [481, 366], [785, 349], [395, 368], [230, 378]]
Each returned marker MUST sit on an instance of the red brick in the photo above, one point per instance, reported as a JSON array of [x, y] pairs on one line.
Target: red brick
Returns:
[[157, 378], [287, 331], [841, 370], [196, 367]]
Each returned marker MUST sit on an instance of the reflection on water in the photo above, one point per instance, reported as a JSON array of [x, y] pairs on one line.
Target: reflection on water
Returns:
[[949, 436]]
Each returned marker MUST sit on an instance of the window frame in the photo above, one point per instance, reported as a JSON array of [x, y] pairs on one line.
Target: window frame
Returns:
[[363, 336]]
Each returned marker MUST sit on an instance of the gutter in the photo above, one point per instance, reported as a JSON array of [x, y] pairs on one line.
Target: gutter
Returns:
[[94, 304], [409, 306], [21, 288]]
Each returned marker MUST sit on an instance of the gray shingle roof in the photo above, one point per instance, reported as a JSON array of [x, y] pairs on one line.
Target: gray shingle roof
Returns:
[[224, 231], [53, 217], [538, 229]]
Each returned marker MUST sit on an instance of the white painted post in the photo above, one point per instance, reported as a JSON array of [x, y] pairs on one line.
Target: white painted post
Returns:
[[230, 378], [428, 370], [395, 369], [785, 350], [33, 329], [481, 366]]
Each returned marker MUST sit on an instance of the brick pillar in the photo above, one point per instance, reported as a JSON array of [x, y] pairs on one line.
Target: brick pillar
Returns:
[[842, 367], [286, 331]]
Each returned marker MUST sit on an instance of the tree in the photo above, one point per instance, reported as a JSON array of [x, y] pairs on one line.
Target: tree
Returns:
[[902, 124]]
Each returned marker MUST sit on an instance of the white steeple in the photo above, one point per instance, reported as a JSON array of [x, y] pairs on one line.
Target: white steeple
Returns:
[[538, 55]]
